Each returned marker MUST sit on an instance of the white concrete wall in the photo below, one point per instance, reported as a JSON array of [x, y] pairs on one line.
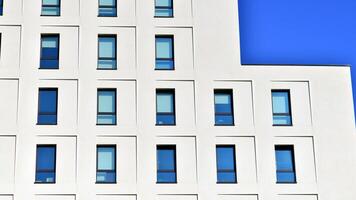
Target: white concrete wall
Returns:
[[207, 57]]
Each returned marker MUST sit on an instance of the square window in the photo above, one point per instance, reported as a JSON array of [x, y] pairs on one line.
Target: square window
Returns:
[[165, 107], [49, 52], [51, 8], [106, 107], [166, 164], [46, 164], [106, 164], [47, 106], [163, 8], [285, 164], [107, 52], [224, 114], [1, 7], [107, 8], [164, 53], [281, 108], [226, 164]]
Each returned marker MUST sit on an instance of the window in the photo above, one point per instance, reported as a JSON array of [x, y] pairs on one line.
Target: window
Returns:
[[281, 108], [47, 106], [107, 8], [285, 164], [51, 8], [224, 111], [1, 7], [46, 164], [106, 107], [49, 52], [226, 164], [163, 8], [106, 164], [165, 108], [107, 52], [166, 164], [164, 53]]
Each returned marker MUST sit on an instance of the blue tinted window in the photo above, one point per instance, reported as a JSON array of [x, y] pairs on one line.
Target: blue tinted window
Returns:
[[223, 107], [164, 53], [107, 52], [166, 164], [106, 164], [49, 52], [107, 8], [47, 106], [163, 8], [46, 164], [50, 8], [281, 107], [226, 169], [1, 7], [285, 164], [165, 108], [106, 107]]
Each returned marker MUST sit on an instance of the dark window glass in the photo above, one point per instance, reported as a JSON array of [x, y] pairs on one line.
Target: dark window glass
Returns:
[[285, 164], [47, 106], [224, 114], [226, 164], [166, 164], [46, 164], [281, 108], [164, 53], [106, 107], [1, 7], [107, 8], [106, 164], [107, 52], [165, 108], [49, 52], [51, 8], [163, 8]]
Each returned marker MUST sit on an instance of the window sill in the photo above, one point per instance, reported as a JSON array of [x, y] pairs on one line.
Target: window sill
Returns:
[[106, 124], [164, 69], [163, 17], [167, 182], [283, 125], [224, 124], [165, 124], [103, 69], [107, 15], [46, 124], [286, 182], [105, 182], [44, 182], [226, 182]]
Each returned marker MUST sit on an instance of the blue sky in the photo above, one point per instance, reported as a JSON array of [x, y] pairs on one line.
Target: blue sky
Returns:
[[298, 32]]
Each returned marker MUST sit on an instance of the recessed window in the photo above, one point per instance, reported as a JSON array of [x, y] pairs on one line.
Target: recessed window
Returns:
[[285, 164], [47, 106], [46, 164], [224, 114], [164, 53], [107, 8], [226, 164], [49, 52], [51, 8], [166, 164], [163, 8], [1, 7], [106, 107], [165, 108], [106, 164], [281, 108], [107, 52]]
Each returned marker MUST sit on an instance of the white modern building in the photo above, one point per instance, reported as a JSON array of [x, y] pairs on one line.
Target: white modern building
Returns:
[[148, 100]]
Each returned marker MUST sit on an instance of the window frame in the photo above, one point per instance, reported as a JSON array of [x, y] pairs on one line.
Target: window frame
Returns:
[[115, 7], [47, 113], [51, 6], [229, 92], [165, 59], [234, 159], [105, 113], [282, 114], [167, 91], [97, 163], [44, 35], [55, 163], [164, 7], [289, 147], [98, 53], [167, 147]]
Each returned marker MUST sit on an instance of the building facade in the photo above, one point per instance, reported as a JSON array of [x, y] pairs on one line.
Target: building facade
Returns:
[[148, 100]]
